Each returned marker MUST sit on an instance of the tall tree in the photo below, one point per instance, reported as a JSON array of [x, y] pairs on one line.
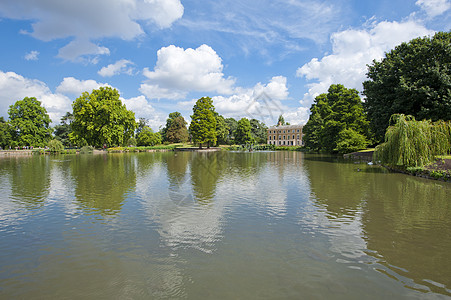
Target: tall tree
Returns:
[[412, 79], [232, 124], [280, 121], [203, 122], [30, 122], [169, 120], [243, 134], [259, 131], [63, 130], [142, 122], [177, 131], [100, 119], [5, 134], [222, 130], [337, 122]]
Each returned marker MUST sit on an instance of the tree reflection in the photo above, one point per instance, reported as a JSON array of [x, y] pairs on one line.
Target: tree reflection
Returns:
[[30, 180], [408, 222], [102, 181], [206, 169]]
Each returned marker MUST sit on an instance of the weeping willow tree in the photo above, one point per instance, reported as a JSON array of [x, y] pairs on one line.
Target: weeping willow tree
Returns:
[[411, 143]]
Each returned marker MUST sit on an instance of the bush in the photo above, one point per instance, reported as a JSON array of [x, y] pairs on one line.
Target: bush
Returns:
[[55, 146], [86, 150]]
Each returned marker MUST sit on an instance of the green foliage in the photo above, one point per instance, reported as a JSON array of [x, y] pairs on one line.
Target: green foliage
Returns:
[[100, 119], [259, 131], [232, 124], [177, 131], [30, 123], [142, 122], [169, 120], [243, 134], [55, 146], [63, 130], [412, 79], [203, 122], [350, 141], [140, 149], [86, 150], [281, 121], [148, 138], [222, 130], [5, 134], [411, 143], [337, 122], [132, 142]]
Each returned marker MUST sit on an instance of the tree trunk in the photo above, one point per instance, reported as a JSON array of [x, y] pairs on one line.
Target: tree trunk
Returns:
[[200, 145]]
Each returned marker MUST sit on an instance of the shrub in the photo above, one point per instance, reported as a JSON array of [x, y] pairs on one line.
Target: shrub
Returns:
[[55, 146]]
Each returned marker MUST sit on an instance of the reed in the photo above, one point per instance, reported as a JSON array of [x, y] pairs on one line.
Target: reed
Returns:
[[411, 143]]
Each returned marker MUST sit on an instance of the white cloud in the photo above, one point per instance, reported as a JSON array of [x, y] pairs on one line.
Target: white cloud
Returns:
[[15, 87], [86, 20], [121, 66], [352, 51], [73, 86], [262, 102], [143, 109], [179, 71], [434, 8], [33, 55]]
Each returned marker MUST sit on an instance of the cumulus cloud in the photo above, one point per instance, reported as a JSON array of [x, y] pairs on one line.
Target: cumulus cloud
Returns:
[[352, 50], [262, 102], [434, 8], [119, 67], [33, 55], [143, 109], [73, 86], [86, 20], [16, 87], [179, 71]]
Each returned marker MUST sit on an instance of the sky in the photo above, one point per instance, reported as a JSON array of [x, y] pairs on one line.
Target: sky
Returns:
[[254, 58]]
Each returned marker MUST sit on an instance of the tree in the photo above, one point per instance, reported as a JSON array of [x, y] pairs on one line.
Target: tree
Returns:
[[5, 134], [203, 122], [142, 122], [243, 134], [412, 79], [30, 122], [177, 131], [281, 121], [55, 146], [63, 130], [232, 124], [148, 138], [259, 131], [337, 122], [222, 130], [100, 119], [169, 121]]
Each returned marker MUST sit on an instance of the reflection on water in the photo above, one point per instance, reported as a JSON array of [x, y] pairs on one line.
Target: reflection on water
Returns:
[[219, 225]]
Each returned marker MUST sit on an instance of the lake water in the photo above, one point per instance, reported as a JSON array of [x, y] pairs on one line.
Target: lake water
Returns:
[[224, 225]]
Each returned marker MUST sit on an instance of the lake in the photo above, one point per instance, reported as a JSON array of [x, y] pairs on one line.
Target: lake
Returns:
[[223, 225]]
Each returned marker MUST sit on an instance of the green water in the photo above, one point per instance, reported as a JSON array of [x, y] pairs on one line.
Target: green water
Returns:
[[261, 225]]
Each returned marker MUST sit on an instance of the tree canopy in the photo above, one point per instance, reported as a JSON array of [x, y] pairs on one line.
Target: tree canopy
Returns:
[[177, 131], [148, 138], [259, 131], [63, 130], [203, 122], [412, 79], [30, 123], [243, 133], [100, 119], [337, 122], [5, 134]]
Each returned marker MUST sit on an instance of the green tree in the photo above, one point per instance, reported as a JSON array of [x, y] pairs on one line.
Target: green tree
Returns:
[[30, 123], [63, 130], [259, 131], [100, 119], [412, 79], [203, 122], [222, 130], [280, 121], [243, 134], [169, 120], [337, 122], [232, 124], [142, 122], [5, 134], [148, 138], [55, 146], [177, 131]]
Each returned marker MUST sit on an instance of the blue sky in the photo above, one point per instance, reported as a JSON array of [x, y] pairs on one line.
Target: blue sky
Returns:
[[254, 58]]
